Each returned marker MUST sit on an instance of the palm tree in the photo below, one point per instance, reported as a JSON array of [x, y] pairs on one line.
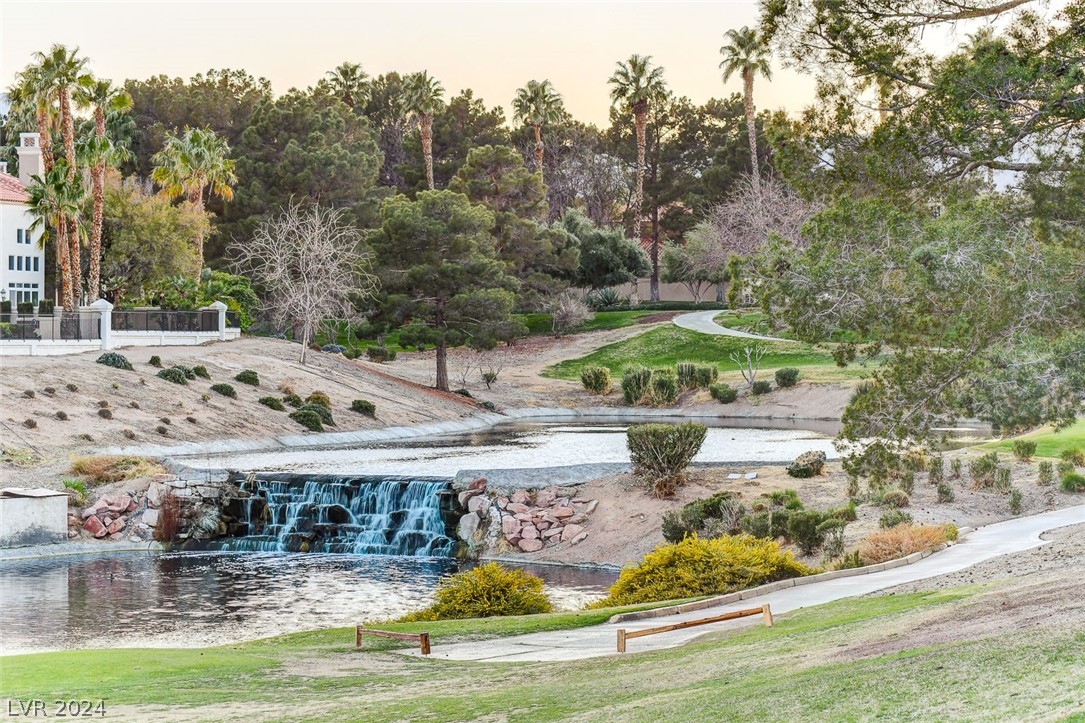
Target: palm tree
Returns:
[[100, 152], [349, 82], [746, 53], [191, 163], [31, 95], [423, 99], [535, 105], [634, 86], [54, 200]]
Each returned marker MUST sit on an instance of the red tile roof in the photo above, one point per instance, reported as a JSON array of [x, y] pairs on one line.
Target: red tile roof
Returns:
[[11, 190]]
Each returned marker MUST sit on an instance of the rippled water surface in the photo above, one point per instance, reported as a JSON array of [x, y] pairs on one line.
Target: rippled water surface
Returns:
[[197, 599]]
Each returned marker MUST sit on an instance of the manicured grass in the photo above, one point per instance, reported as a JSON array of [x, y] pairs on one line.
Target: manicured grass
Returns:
[[543, 324], [1049, 443], [667, 345], [855, 659], [757, 322]]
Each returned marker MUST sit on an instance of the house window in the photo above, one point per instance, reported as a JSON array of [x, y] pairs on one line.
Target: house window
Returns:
[[26, 236], [11, 263], [18, 263], [35, 263], [18, 236], [28, 263]]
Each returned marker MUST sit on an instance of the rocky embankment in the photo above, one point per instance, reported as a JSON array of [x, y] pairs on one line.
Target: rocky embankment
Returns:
[[528, 520]]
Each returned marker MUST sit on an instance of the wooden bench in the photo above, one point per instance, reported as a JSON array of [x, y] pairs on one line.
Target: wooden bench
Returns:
[[421, 638], [624, 635]]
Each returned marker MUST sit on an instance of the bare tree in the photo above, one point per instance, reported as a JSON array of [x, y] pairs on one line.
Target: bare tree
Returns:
[[309, 263], [743, 224], [568, 312], [748, 362], [491, 365]]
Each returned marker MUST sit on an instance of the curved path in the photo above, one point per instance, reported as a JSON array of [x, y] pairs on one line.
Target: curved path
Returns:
[[1002, 538], [704, 322]]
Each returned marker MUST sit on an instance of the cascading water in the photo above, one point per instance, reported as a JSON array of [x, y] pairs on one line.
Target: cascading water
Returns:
[[359, 515]]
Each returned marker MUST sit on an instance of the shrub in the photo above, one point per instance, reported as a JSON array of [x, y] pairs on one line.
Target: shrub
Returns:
[[226, 390], [804, 528], [1074, 456], [705, 375], [1024, 449], [760, 388], [723, 393], [1064, 467], [1002, 479], [1015, 501], [936, 471], [696, 567], [319, 398], [694, 518], [661, 452], [362, 406], [982, 470], [173, 374], [51, 391], [895, 499], [29, 394], [903, 540], [1072, 482], [192, 420], [463, 393], [128, 433], [907, 482], [489, 377], [850, 561], [156, 361], [596, 380], [893, 517], [1046, 473], [767, 524], [489, 590], [201, 371], [105, 413], [686, 372], [635, 381], [808, 464], [133, 404], [62, 416], [832, 533], [293, 400], [945, 492], [114, 468], [113, 359], [71, 388], [853, 487], [380, 354], [31, 423], [248, 376], [333, 348], [604, 299], [308, 419], [664, 387], [76, 489], [104, 404], [955, 468], [787, 377], [319, 410], [162, 429], [847, 513], [272, 403]]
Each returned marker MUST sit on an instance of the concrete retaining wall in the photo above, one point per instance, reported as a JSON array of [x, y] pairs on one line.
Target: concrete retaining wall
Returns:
[[33, 520]]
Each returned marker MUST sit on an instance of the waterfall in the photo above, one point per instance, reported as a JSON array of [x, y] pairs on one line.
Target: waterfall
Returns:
[[358, 515]]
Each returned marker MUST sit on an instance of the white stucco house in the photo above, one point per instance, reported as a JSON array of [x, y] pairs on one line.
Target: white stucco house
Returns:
[[22, 262]]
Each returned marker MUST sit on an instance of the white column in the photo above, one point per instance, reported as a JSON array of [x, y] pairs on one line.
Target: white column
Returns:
[[105, 316], [221, 309]]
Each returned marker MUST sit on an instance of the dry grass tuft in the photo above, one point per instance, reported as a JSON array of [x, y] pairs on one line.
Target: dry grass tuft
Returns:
[[903, 540], [114, 468]]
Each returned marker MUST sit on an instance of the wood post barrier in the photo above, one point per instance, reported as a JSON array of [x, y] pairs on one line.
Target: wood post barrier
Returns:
[[624, 634], [421, 638]]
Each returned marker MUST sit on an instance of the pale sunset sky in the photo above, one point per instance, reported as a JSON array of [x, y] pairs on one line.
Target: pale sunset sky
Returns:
[[492, 47]]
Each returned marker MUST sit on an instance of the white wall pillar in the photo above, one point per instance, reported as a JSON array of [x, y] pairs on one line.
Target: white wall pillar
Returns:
[[221, 309], [105, 316]]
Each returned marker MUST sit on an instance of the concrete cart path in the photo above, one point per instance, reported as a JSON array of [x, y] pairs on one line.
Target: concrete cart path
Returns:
[[703, 321], [985, 543]]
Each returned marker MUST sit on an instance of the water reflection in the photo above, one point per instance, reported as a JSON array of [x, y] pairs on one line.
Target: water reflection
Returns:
[[189, 600]]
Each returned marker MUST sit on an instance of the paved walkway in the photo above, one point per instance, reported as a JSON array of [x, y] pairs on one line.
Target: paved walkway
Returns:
[[1002, 538], [703, 321]]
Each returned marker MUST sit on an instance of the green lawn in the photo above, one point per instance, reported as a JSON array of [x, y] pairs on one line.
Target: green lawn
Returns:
[[840, 661], [757, 322], [667, 345], [543, 324], [1049, 443]]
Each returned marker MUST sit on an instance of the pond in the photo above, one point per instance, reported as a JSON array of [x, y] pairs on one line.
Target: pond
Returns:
[[146, 599], [535, 445]]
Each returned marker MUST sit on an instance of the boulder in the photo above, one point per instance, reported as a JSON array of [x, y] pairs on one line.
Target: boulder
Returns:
[[523, 517], [510, 526], [561, 512], [94, 509], [156, 494], [521, 497], [529, 533], [468, 526], [502, 502], [478, 504], [94, 526], [115, 526], [579, 538], [164, 477], [150, 518], [132, 507], [554, 532], [570, 531], [517, 507], [530, 545], [546, 496], [592, 504], [117, 503], [479, 484], [466, 495]]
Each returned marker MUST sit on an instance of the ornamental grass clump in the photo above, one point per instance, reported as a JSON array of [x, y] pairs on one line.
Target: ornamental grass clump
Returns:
[[635, 382], [1072, 482], [903, 540], [723, 393], [248, 376], [489, 590], [596, 380], [660, 453], [112, 359], [697, 567], [365, 407]]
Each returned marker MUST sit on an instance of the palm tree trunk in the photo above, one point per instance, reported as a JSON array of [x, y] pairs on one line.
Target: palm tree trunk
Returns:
[[67, 127], [640, 116], [442, 348], [97, 183], [45, 139], [538, 150], [75, 260], [751, 126], [63, 265], [195, 197], [68, 131], [426, 130]]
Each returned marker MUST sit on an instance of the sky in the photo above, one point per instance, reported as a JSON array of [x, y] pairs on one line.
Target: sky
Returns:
[[491, 47]]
